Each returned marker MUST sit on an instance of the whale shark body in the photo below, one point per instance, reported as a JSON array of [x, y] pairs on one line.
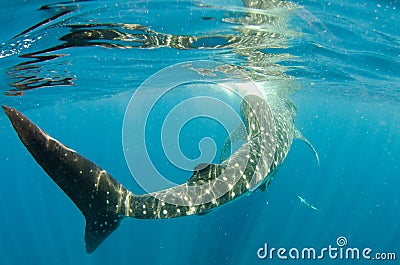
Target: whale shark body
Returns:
[[104, 202]]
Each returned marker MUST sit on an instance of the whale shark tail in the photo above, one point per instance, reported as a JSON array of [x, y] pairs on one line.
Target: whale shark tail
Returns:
[[92, 189]]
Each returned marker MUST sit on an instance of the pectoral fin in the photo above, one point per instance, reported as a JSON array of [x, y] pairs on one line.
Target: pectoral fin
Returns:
[[299, 135]]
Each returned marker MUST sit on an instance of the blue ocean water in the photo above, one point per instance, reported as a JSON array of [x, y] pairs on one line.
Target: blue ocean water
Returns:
[[72, 67]]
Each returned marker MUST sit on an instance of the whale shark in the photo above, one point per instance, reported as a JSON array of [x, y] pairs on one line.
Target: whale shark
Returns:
[[104, 202]]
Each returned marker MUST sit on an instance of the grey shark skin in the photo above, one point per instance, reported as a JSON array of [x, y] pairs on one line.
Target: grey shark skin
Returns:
[[104, 202]]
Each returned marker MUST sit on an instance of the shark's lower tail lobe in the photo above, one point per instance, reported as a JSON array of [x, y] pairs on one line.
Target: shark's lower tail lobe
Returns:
[[92, 189]]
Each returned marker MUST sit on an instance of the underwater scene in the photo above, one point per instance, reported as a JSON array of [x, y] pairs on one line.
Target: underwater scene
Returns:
[[199, 132]]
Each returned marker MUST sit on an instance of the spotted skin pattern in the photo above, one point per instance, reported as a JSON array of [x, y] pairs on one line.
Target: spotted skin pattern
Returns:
[[104, 202]]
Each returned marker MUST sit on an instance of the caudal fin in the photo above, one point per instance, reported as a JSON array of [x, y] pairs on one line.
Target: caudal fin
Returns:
[[98, 195]]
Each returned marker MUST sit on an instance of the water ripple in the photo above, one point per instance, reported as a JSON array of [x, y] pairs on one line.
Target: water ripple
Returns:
[[120, 39]]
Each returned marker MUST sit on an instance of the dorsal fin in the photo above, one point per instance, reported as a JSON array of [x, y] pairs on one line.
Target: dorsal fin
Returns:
[[204, 172], [201, 167]]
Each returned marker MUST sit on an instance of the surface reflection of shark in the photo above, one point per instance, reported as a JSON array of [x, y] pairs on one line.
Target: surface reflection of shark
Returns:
[[309, 205], [246, 37]]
